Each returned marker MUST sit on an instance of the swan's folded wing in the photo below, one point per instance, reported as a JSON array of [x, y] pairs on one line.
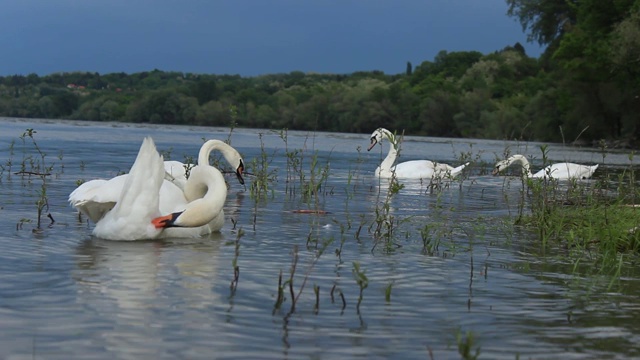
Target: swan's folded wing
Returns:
[[94, 210], [97, 197]]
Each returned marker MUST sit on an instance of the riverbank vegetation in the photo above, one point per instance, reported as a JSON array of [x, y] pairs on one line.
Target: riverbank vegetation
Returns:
[[582, 87]]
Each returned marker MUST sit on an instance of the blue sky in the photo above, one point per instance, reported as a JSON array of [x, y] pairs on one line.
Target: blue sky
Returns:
[[246, 37]]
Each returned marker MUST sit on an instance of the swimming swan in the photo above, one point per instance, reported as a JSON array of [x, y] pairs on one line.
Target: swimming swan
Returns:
[[565, 170], [129, 207], [414, 169]]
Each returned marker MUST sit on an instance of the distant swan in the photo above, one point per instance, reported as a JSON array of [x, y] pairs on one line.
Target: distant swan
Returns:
[[414, 169], [129, 207], [565, 170]]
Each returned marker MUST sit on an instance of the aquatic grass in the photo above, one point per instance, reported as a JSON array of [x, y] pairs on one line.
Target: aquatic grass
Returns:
[[591, 220], [289, 283], [311, 183], [351, 187], [430, 243], [263, 175], [387, 292], [36, 165], [362, 281], [234, 263], [316, 291], [335, 289], [385, 222], [311, 189], [466, 342], [8, 165], [343, 238], [293, 160]]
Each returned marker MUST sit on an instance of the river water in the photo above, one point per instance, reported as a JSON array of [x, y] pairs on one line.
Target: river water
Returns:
[[481, 280]]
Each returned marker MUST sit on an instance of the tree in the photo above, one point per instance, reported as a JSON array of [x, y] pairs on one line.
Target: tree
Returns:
[[546, 20]]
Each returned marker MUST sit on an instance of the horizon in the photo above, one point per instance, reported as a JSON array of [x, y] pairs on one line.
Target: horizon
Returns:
[[248, 38]]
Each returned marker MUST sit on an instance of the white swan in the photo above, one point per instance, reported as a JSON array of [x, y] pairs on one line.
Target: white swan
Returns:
[[171, 198], [121, 206], [414, 169], [565, 170]]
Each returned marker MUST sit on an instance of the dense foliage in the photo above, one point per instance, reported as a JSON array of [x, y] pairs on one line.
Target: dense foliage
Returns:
[[585, 86]]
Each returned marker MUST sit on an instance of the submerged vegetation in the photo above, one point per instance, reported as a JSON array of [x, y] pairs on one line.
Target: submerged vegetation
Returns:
[[32, 165]]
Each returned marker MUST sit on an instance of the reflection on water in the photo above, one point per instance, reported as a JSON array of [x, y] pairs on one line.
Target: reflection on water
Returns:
[[129, 283], [64, 294]]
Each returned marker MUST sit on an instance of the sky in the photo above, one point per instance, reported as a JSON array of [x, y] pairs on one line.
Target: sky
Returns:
[[246, 37]]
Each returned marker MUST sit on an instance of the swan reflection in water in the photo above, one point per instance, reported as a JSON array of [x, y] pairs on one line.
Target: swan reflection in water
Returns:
[[146, 291]]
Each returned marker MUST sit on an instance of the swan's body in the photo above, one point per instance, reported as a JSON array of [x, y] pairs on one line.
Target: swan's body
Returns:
[[413, 169], [119, 206], [565, 170]]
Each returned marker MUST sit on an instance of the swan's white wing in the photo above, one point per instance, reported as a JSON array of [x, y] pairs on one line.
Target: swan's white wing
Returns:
[[96, 197], [138, 203]]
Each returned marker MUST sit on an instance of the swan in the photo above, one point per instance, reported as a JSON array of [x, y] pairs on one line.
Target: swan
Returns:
[[565, 170], [95, 198], [414, 169], [232, 157], [193, 210]]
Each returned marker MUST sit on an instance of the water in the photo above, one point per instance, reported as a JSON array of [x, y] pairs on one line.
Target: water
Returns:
[[64, 294]]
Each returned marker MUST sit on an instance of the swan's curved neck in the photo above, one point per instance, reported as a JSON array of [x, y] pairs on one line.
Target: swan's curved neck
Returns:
[[387, 163], [209, 146], [206, 192], [526, 168]]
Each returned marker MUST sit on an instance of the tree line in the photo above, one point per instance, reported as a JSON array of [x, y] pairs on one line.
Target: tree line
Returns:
[[584, 87]]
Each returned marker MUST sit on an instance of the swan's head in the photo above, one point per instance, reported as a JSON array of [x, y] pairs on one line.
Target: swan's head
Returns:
[[377, 136], [503, 164], [500, 166], [166, 221], [233, 158], [180, 219]]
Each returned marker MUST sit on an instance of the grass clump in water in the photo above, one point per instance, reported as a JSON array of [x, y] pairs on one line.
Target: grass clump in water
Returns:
[[598, 218]]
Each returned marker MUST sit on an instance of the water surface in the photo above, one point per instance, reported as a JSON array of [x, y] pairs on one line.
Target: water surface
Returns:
[[65, 294]]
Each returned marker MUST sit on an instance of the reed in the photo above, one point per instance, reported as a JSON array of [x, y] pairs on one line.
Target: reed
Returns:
[[385, 223], [387, 292], [36, 166], [263, 176], [8, 165], [234, 264], [362, 281], [466, 343], [593, 221], [289, 283], [430, 240]]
